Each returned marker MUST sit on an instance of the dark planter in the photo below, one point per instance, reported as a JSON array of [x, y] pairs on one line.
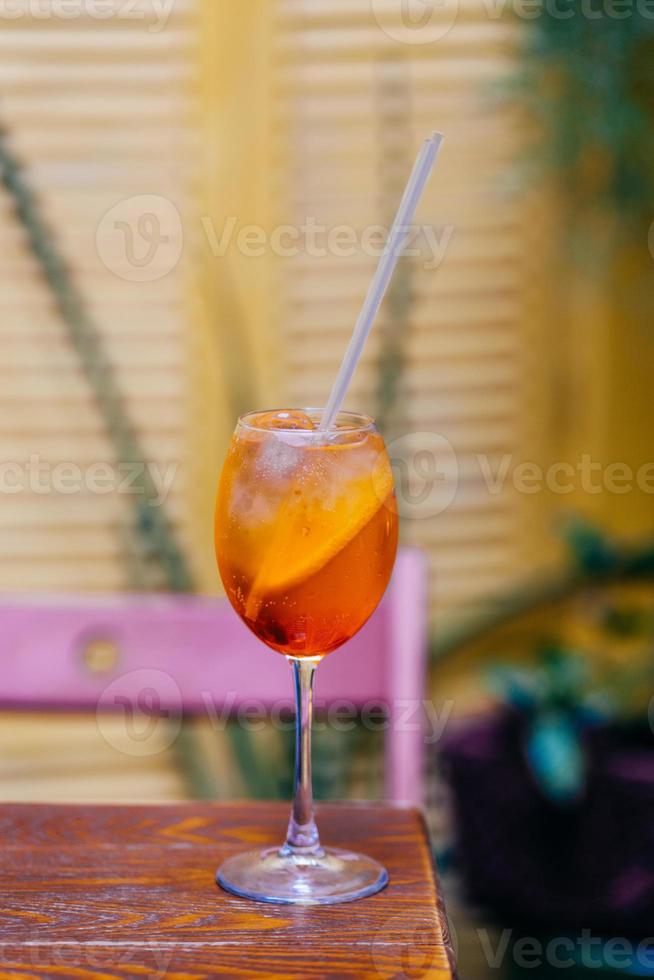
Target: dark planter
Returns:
[[587, 865]]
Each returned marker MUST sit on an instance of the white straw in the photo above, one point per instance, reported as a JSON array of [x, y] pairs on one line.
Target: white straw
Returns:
[[396, 239]]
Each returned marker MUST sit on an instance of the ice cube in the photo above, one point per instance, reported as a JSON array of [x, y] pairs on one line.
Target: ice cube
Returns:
[[277, 459], [288, 420]]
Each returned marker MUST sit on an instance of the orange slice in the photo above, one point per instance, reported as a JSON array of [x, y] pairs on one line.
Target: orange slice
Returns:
[[311, 528]]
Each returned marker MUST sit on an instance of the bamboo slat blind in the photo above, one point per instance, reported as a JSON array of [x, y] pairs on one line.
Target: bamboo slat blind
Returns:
[[353, 105], [99, 111], [102, 111]]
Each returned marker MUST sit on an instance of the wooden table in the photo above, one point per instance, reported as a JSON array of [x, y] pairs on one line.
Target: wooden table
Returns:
[[128, 891]]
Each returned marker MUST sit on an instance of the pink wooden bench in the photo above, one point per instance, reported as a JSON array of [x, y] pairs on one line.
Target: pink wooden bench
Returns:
[[192, 654]]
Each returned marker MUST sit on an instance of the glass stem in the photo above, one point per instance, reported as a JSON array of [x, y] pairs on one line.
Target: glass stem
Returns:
[[302, 837]]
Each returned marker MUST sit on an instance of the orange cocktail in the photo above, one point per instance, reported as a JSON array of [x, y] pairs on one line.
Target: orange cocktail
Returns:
[[306, 534], [306, 528]]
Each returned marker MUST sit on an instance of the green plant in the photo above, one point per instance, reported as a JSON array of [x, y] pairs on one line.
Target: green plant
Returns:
[[157, 556], [595, 561], [558, 703], [586, 76], [565, 692]]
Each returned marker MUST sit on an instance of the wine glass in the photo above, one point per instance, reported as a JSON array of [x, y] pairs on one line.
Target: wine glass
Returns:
[[306, 536]]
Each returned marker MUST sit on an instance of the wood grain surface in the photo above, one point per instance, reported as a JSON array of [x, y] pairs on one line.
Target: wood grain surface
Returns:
[[128, 891]]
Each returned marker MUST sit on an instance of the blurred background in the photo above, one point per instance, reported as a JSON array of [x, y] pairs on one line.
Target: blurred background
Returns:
[[194, 196]]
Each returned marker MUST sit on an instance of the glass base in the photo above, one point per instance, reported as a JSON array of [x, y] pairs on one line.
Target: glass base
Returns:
[[315, 879]]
